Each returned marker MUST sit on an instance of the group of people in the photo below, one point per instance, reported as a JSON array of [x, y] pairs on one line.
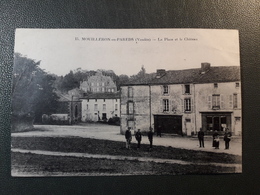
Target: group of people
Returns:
[[216, 140], [215, 143], [138, 137]]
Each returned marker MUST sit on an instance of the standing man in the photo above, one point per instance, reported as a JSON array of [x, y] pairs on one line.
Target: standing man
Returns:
[[138, 137], [201, 138], [150, 137], [227, 138], [128, 137]]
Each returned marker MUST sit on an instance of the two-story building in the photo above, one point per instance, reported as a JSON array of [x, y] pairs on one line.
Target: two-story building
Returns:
[[100, 107], [183, 101]]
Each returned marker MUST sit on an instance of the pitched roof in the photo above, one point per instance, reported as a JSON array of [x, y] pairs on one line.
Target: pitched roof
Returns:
[[213, 75], [102, 96]]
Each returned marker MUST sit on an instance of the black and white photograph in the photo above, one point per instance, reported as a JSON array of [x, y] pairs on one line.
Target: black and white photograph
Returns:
[[120, 102]]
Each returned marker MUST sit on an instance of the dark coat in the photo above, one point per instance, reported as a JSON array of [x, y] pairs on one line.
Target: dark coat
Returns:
[[138, 136], [227, 136], [200, 134], [150, 135], [128, 135]]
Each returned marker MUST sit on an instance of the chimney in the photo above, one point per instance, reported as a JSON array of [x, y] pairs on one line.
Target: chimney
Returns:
[[205, 66], [160, 73]]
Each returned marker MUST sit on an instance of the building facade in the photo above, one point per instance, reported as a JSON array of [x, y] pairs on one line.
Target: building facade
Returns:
[[99, 84], [100, 107], [183, 101]]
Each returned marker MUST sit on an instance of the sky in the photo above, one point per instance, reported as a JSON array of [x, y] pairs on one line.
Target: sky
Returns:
[[125, 51]]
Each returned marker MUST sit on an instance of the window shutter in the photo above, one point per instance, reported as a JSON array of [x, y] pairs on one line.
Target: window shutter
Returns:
[[209, 102], [191, 89], [222, 106], [161, 106], [230, 101], [192, 105], [171, 105], [239, 100], [182, 105], [183, 89]]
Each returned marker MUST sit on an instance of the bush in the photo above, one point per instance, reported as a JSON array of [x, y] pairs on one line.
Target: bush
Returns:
[[114, 121]]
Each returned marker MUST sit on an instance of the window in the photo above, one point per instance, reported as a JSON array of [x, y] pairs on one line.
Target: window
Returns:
[[165, 105], [130, 107], [130, 92], [95, 100], [104, 107], [95, 107], [103, 89], [187, 89], [116, 107], [108, 90], [98, 89], [165, 89], [97, 84], [112, 90], [209, 123], [87, 107], [237, 85], [188, 120], [215, 85], [92, 84], [187, 104], [104, 100], [216, 101], [235, 101], [103, 84]]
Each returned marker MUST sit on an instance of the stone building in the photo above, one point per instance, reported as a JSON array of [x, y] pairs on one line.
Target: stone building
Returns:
[[99, 84], [183, 101], [100, 107]]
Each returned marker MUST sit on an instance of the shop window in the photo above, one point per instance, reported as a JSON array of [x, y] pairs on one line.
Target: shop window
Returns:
[[209, 123]]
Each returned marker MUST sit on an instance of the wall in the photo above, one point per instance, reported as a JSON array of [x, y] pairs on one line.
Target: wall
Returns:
[[89, 114], [226, 91]]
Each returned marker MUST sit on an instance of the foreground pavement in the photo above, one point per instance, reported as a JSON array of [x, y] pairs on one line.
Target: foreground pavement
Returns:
[[109, 132]]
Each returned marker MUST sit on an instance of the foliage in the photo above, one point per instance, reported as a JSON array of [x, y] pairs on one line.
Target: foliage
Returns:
[[33, 92]]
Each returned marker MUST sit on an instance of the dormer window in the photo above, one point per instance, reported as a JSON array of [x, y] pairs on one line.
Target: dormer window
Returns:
[[187, 89], [165, 89]]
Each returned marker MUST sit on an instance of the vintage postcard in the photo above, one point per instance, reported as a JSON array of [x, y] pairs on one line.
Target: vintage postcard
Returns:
[[116, 102]]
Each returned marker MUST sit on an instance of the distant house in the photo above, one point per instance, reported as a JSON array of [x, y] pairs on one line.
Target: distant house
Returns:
[[69, 104], [183, 101], [99, 84], [100, 107]]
